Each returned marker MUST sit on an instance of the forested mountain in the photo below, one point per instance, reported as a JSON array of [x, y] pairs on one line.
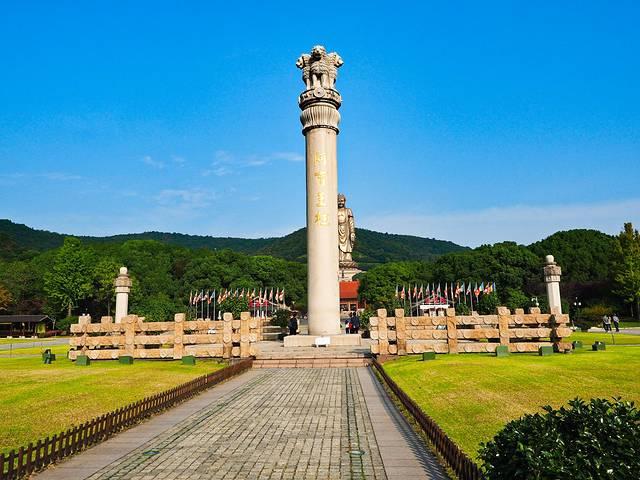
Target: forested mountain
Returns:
[[16, 241], [36, 266]]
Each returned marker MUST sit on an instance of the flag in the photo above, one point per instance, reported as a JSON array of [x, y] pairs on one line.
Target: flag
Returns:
[[271, 294], [422, 290], [282, 296], [481, 288], [487, 289], [446, 293], [402, 293], [415, 291], [493, 287], [476, 290], [469, 289], [190, 297], [457, 292]]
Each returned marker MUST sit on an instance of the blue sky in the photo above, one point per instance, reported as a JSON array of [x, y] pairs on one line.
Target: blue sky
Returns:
[[474, 122]]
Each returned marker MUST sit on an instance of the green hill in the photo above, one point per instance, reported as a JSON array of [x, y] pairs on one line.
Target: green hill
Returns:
[[18, 241]]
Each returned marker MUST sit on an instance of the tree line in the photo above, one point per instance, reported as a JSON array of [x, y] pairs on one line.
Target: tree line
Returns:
[[600, 271]]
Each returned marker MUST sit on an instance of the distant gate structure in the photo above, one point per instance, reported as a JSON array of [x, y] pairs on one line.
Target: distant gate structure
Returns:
[[519, 331], [226, 338]]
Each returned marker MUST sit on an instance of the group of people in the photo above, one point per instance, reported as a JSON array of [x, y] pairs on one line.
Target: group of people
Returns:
[[352, 325], [607, 320]]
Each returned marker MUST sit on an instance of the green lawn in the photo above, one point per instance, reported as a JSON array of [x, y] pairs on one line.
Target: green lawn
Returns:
[[37, 400], [6, 341], [620, 338], [472, 396]]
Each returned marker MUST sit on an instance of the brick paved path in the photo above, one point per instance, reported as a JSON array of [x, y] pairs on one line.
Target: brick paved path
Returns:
[[279, 424]]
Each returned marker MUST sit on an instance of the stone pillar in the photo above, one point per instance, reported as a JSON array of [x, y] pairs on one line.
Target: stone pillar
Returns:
[[123, 287], [552, 273], [319, 104]]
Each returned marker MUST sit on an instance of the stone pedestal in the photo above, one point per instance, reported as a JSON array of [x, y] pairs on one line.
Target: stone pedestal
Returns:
[[335, 340], [347, 273], [123, 287], [319, 104], [552, 273]]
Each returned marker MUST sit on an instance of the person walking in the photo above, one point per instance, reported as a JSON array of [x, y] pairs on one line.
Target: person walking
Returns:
[[293, 324], [355, 322], [348, 326], [616, 322], [606, 322]]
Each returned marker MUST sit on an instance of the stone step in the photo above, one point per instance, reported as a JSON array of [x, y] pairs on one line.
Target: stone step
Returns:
[[272, 328], [271, 336], [339, 362]]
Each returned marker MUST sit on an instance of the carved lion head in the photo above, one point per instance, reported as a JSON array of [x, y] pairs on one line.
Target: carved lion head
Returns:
[[318, 51]]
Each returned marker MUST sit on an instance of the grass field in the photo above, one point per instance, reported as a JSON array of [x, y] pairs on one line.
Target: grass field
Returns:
[[472, 396], [37, 400], [620, 338], [18, 350], [6, 341]]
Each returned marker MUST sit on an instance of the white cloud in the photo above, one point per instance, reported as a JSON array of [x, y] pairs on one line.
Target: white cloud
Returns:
[[148, 160], [60, 177], [180, 161], [521, 223], [195, 198], [53, 176], [289, 156]]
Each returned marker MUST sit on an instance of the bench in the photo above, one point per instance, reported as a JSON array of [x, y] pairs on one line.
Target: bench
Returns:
[[322, 341]]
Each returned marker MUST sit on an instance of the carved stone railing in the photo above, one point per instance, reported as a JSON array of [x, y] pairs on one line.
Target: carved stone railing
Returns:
[[226, 338], [519, 331]]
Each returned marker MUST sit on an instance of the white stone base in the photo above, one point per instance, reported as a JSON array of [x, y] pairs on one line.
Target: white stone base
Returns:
[[310, 340], [347, 274]]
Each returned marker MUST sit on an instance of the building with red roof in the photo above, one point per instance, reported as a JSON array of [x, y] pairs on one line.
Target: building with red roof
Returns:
[[349, 296]]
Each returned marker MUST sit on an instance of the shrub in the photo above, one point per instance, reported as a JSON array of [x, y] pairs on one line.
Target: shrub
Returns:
[[365, 316], [488, 304], [463, 309], [64, 324], [281, 318], [235, 305], [599, 439], [592, 316]]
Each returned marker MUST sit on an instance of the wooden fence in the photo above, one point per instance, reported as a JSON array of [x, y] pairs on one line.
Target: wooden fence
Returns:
[[453, 333], [44, 452], [227, 338], [456, 459]]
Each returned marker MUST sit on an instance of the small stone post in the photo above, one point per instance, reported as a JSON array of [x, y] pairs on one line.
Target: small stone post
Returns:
[[552, 273], [123, 287]]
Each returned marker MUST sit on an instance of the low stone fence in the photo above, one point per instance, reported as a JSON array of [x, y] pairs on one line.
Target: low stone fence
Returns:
[[226, 338], [452, 333]]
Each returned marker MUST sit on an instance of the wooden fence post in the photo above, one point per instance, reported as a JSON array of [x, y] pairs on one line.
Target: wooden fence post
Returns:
[[129, 322], [245, 317], [227, 331], [178, 335], [383, 338], [504, 314], [401, 333], [452, 330]]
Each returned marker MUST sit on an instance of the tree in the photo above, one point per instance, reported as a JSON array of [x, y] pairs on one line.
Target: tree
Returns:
[[488, 304], [104, 273], [5, 298], [627, 267], [70, 278]]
